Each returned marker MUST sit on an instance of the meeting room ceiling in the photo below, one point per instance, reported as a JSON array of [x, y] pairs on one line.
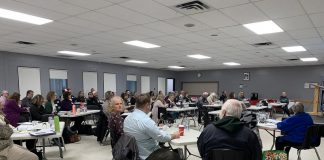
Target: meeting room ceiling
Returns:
[[100, 26]]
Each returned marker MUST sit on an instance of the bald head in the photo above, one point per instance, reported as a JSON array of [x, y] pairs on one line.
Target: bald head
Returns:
[[232, 107]]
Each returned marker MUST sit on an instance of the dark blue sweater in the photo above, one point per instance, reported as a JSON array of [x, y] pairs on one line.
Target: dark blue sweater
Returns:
[[295, 127]]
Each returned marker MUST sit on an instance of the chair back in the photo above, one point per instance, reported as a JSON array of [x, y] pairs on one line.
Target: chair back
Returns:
[[313, 136], [93, 107], [227, 154]]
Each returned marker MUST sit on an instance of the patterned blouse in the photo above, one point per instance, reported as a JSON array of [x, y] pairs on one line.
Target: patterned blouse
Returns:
[[115, 125], [5, 133]]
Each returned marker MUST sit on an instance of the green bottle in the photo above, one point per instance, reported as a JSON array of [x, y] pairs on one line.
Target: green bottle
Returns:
[[57, 123]]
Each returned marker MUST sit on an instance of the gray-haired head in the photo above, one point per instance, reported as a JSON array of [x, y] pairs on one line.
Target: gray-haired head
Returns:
[[298, 107], [232, 107]]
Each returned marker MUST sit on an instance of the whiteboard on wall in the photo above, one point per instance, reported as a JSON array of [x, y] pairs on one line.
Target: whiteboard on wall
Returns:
[[161, 84], [58, 74], [109, 82], [29, 79], [145, 84], [197, 88], [131, 78], [89, 81]]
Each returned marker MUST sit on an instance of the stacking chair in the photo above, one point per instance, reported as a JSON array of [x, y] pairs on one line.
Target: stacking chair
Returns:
[[227, 154], [312, 139]]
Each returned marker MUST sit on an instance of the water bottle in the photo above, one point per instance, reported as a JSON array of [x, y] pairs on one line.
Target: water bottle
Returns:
[[186, 123], [57, 123], [51, 122]]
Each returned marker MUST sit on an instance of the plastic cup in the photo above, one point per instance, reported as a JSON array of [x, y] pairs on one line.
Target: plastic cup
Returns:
[[181, 130]]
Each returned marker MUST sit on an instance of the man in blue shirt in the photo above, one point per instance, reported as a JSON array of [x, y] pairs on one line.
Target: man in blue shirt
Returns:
[[294, 128], [145, 130]]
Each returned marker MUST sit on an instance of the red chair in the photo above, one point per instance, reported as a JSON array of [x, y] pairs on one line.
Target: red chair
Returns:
[[254, 102]]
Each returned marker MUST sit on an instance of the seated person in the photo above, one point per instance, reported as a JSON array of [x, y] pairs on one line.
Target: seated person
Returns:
[[8, 150], [284, 99], [37, 109], [159, 107], [201, 109], [50, 106], [66, 105], [26, 102], [294, 128], [92, 100], [80, 97], [145, 130], [186, 97], [170, 101], [212, 98], [125, 98], [180, 97], [241, 96], [223, 97], [115, 121], [232, 95], [12, 109], [229, 133]]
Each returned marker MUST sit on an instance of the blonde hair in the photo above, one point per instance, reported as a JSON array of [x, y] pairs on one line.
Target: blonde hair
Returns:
[[160, 97], [112, 102]]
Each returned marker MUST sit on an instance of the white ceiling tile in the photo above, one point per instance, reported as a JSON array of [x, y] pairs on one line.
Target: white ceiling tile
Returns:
[[75, 21], [172, 40], [303, 33], [253, 39], [280, 8], [224, 3], [117, 1], [130, 35], [313, 6], [214, 34], [165, 28], [155, 10], [237, 31], [126, 14], [98, 18], [246, 13], [181, 21], [144, 31], [310, 41], [321, 31], [192, 37], [317, 19], [277, 37], [291, 23], [57, 6], [172, 2], [93, 4], [232, 41], [72, 28], [214, 19]]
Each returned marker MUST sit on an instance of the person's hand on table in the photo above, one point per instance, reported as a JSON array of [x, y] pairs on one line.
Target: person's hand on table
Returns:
[[175, 135]]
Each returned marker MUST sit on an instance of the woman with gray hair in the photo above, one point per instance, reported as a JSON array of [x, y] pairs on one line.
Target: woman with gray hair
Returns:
[[294, 128]]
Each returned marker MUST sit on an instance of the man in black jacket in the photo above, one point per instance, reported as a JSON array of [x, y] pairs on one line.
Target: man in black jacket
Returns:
[[229, 133]]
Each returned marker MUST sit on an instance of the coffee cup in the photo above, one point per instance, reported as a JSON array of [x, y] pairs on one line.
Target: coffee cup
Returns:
[[181, 130]]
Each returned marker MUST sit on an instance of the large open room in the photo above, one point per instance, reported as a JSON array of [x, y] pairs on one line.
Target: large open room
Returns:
[[161, 79]]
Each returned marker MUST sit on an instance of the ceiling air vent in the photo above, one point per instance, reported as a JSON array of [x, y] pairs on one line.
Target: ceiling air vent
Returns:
[[293, 59], [262, 44], [192, 7], [25, 43]]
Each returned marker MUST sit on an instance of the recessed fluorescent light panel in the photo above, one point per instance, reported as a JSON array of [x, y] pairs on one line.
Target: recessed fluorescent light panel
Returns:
[[198, 56], [264, 27], [176, 67], [17, 16], [74, 53], [141, 44], [310, 59], [294, 49], [136, 61], [231, 64]]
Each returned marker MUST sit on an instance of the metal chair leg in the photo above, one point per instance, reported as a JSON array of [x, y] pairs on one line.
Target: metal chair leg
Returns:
[[298, 153], [319, 158]]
